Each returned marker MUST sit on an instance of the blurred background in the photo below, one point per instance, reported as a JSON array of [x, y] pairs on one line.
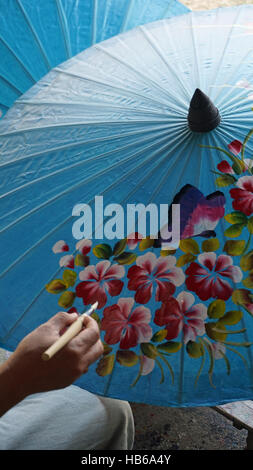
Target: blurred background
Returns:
[[210, 4]]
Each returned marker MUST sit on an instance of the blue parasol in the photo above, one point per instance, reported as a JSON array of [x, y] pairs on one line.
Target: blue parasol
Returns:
[[35, 36], [160, 116]]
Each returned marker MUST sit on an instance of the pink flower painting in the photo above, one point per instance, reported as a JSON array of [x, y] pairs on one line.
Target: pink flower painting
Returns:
[[125, 325], [154, 274], [98, 280], [181, 314]]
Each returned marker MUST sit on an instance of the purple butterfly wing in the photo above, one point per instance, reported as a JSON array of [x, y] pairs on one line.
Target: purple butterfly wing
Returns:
[[199, 215], [205, 216]]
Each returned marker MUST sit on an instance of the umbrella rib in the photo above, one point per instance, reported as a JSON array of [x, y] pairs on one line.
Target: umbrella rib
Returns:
[[109, 85], [182, 173], [233, 122], [69, 190], [195, 51], [77, 144], [126, 17], [51, 126], [3, 106], [225, 49], [18, 59], [219, 65], [84, 162], [102, 29], [94, 23], [131, 67], [138, 110], [244, 109], [158, 166], [168, 8], [170, 36], [226, 134], [14, 88], [72, 124], [52, 231], [64, 28], [233, 103], [173, 164], [237, 126], [37, 40], [246, 116], [155, 47], [230, 87]]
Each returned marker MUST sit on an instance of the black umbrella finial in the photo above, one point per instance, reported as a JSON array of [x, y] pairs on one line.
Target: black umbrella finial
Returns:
[[203, 116]]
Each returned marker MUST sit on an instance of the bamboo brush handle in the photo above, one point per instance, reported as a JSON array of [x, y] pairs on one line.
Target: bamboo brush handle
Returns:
[[72, 331]]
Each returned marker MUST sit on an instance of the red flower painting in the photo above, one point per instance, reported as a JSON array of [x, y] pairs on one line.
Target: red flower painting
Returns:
[[243, 195], [211, 276]]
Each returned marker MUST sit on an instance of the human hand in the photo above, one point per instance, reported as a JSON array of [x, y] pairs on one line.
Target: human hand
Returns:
[[30, 374]]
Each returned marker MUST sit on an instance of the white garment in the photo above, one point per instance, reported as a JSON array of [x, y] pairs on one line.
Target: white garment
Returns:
[[67, 419]]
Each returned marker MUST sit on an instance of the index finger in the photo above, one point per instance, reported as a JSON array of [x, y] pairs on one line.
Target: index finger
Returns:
[[89, 322], [89, 335]]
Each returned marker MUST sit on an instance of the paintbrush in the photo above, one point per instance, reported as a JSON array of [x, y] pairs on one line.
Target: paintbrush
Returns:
[[72, 331]]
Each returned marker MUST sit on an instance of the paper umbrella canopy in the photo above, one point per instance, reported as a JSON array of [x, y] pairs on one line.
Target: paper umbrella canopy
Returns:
[[158, 115], [36, 36]]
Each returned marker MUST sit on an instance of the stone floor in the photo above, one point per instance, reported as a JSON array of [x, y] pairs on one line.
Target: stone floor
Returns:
[[159, 428]]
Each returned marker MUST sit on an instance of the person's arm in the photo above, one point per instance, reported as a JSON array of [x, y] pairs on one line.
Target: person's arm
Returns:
[[25, 373]]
